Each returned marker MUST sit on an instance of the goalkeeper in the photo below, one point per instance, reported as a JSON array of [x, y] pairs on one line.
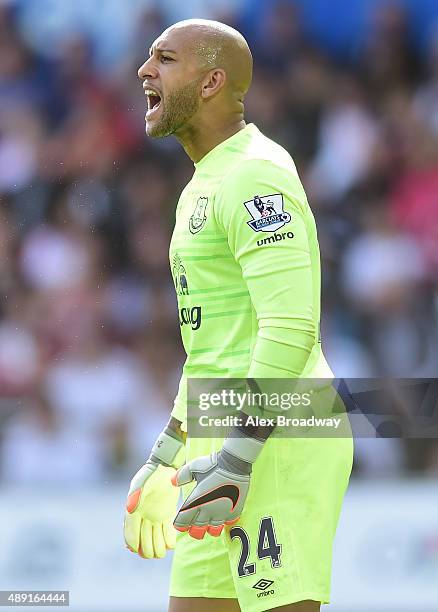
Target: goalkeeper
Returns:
[[256, 527]]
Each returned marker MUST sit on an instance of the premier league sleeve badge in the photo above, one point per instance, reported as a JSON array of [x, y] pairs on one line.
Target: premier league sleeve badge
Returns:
[[267, 213]]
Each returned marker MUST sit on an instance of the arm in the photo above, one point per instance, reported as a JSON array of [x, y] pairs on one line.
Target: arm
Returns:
[[151, 502], [278, 272], [175, 426]]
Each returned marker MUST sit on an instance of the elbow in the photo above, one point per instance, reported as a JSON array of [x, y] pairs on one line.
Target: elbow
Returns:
[[284, 349]]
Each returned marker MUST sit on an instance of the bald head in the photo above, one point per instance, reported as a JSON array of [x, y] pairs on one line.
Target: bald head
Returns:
[[218, 45], [196, 76]]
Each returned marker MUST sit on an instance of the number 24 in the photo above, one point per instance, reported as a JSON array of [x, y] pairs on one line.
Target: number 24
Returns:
[[267, 546]]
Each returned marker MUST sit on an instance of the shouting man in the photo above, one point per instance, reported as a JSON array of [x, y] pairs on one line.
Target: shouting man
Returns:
[[259, 514]]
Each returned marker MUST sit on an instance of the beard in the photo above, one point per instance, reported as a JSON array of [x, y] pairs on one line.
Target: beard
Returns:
[[181, 104]]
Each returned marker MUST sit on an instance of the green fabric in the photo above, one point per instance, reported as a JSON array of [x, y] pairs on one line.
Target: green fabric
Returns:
[[249, 301], [249, 304], [300, 484]]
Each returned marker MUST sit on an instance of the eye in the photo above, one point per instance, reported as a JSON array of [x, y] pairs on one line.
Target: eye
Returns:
[[166, 58]]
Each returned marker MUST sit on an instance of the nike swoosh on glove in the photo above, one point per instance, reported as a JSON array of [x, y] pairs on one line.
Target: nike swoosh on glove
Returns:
[[222, 484], [152, 500]]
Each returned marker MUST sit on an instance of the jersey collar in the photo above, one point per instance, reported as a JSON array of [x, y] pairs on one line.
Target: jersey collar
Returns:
[[225, 144]]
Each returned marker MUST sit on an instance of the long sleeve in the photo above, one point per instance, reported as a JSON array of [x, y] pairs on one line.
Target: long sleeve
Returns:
[[264, 212]]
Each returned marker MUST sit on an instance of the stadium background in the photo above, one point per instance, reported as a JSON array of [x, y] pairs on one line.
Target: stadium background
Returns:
[[90, 353]]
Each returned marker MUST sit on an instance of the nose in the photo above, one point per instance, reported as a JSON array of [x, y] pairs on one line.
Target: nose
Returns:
[[147, 70]]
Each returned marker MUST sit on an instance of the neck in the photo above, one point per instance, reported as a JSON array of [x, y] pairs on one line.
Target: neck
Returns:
[[199, 140]]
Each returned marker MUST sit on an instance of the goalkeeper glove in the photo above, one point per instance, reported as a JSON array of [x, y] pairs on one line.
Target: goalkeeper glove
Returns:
[[222, 483], [151, 503]]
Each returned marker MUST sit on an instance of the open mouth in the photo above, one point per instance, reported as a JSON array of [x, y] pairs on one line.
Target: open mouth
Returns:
[[154, 101]]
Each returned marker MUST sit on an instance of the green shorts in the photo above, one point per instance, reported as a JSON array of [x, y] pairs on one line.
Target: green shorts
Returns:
[[280, 550]]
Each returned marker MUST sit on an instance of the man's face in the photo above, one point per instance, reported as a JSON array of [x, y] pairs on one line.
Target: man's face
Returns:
[[171, 79]]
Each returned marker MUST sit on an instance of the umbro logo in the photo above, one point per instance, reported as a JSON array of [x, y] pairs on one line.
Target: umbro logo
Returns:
[[275, 238], [263, 585]]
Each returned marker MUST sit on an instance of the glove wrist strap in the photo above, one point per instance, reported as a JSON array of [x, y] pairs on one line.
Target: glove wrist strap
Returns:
[[243, 447], [166, 447]]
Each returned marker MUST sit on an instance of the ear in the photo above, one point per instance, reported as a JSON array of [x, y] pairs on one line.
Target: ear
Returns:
[[213, 83]]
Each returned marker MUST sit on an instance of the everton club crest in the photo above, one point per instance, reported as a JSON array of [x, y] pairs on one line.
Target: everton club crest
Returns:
[[199, 217], [267, 213]]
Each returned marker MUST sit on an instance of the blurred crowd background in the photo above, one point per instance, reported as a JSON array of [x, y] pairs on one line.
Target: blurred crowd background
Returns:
[[90, 352]]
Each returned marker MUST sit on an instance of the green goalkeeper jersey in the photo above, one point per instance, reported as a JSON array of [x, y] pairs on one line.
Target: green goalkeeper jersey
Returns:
[[245, 262]]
